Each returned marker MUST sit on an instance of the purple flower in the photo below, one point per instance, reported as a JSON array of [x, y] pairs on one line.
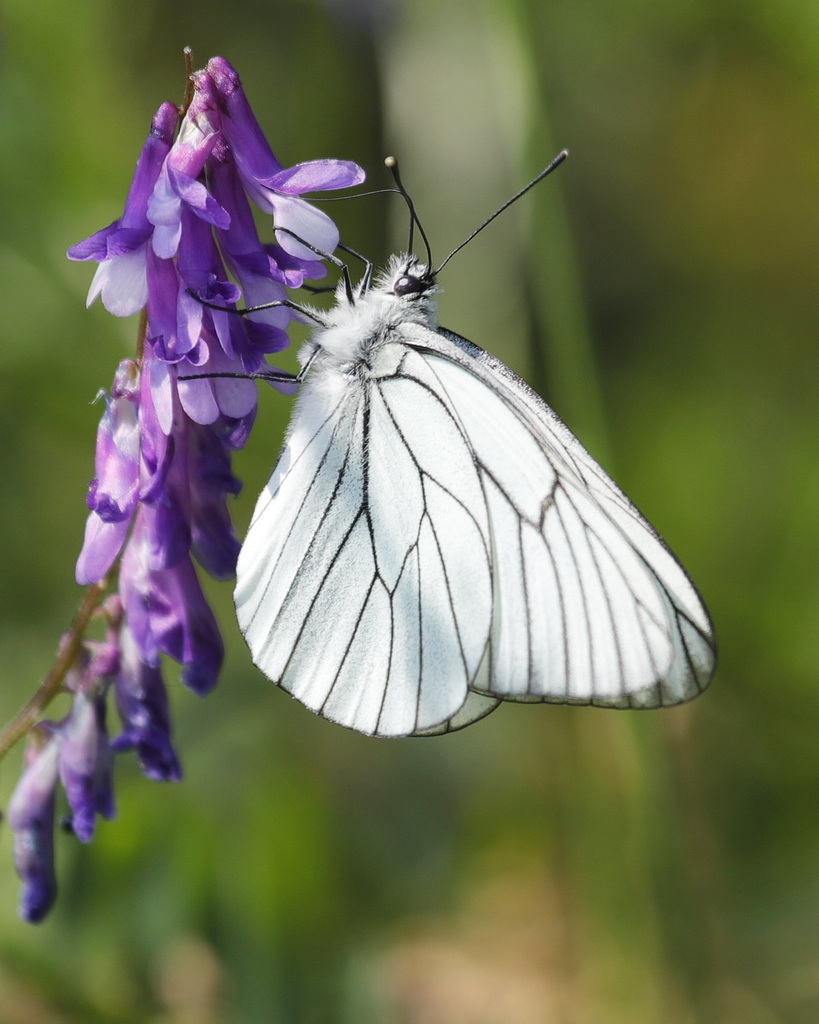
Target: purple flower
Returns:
[[272, 187], [31, 819], [142, 703], [165, 607], [156, 447], [158, 502], [261, 276], [120, 249], [168, 334], [178, 186], [225, 342], [86, 763], [208, 480], [113, 493]]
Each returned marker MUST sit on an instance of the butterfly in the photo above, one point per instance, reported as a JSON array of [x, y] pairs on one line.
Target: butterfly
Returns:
[[434, 540]]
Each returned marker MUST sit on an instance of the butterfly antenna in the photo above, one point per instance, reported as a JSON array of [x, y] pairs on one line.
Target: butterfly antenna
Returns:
[[392, 163], [558, 160], [355, 195]]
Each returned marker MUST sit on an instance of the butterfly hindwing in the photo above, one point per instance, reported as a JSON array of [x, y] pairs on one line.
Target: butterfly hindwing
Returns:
[[364, 585]]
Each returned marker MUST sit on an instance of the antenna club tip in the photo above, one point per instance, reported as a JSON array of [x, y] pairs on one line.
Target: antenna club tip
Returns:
[[390, 162]]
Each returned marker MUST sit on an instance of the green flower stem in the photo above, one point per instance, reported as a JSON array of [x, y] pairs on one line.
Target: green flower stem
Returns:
[[51, 685]]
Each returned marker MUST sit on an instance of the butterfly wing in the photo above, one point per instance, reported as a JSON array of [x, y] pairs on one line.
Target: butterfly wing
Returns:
[[364, 585], [434, 539], [590, 606]]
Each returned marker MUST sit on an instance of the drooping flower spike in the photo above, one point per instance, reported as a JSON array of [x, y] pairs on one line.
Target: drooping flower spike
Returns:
[[158, 503]]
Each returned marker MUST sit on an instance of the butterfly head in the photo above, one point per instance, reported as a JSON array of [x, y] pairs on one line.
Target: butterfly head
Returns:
[[414, 280], [403, 294], [408, 280]]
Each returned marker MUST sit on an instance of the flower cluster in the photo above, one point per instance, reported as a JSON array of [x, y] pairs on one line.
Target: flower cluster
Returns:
[[158, 500]]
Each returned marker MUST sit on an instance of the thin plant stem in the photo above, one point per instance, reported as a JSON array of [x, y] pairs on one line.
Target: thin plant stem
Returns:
[[51, 685], [187, 54], [565, 367], [142, 331]]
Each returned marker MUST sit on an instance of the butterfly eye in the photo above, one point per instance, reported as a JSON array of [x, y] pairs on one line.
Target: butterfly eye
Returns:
[[407, 284]]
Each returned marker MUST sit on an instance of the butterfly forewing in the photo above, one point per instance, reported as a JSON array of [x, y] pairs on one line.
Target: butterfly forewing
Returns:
[[364, 587], [301, 522]]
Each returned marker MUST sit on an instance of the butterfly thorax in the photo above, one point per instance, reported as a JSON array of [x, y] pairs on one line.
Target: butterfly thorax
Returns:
[[355, 330]]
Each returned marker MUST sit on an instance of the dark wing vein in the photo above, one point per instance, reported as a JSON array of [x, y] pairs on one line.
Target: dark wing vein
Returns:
[[299, 520]]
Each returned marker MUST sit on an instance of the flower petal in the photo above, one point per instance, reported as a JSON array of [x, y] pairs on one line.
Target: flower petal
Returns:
[[86, 763], [122, 282], [102, 543], [304, 220], [198, 400], [316, 176], [31, 819], [142, 703]]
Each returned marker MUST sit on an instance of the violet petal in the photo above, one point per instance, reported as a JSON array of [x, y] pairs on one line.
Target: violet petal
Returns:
[[142, 703], [31, 819], [86, 764]]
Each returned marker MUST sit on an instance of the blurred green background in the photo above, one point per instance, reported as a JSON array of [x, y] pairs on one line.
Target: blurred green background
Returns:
[[548, 864]]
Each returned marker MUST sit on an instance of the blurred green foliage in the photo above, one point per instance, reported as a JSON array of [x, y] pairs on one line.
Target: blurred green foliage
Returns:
[[548, 864]]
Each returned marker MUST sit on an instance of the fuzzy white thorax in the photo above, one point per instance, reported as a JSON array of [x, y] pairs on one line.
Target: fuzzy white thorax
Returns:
[[354, 330]]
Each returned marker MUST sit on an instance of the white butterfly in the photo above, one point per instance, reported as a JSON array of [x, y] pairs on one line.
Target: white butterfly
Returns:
[[435, 540]]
